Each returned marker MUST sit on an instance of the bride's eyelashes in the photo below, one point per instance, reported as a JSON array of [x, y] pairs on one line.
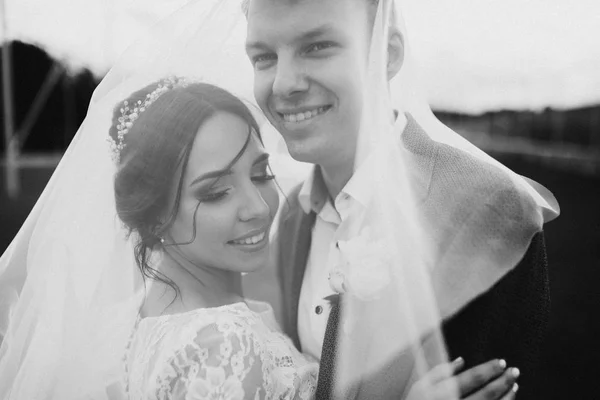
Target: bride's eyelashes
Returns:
[[220, 195], [263, 172], [213, 197], [263, 178]]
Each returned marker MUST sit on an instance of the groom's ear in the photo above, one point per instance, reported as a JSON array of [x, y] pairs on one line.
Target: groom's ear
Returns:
[[395, 52]]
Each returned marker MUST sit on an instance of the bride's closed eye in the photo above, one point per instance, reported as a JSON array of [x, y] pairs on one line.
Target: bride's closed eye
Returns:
[[263, 178], [212, 197], [264, 175]]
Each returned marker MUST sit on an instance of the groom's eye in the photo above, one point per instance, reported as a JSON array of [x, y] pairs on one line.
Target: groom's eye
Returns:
[[262, 61], [318, 46]]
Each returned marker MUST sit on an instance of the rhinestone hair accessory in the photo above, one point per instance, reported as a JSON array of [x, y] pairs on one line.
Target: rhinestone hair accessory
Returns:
[[131, 112]]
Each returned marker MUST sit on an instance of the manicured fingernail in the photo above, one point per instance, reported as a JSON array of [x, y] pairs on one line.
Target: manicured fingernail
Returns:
[[458, 362], [502, 363], [515, 388], [515, 372]]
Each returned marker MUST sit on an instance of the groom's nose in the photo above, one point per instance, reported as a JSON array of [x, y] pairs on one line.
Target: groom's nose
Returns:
[[290, 79]]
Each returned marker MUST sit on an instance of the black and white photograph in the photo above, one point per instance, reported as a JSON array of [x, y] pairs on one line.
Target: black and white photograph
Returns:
[[300, 199]]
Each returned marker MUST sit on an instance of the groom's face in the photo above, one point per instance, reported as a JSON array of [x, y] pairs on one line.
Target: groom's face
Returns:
[[309, 59]]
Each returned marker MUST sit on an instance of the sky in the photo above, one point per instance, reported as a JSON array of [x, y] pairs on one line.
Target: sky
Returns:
[[475, 55]]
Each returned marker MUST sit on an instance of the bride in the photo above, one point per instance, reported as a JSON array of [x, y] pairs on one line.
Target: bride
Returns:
[[205, 202]]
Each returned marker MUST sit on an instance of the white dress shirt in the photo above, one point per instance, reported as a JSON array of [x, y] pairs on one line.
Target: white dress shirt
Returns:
[[331, 226], [313, 309]]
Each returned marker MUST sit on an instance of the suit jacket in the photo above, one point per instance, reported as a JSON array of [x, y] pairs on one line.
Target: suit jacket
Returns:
[[508, 321]]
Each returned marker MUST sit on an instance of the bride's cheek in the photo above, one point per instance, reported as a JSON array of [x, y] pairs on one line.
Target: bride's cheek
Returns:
[[215, 224]]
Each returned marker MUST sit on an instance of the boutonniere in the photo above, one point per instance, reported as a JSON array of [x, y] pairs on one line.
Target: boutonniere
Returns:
[[365, 268]]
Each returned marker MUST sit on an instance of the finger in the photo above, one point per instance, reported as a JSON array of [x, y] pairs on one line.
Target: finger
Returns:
[[477, 377], [446, 389], [499, 388], [458, 364], [444, 371], [512, 394]]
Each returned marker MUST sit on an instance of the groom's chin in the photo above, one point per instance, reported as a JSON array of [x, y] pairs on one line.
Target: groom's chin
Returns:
[[302, 151]]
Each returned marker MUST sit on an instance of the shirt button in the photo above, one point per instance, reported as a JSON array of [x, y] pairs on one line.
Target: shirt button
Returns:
[[318, 310]]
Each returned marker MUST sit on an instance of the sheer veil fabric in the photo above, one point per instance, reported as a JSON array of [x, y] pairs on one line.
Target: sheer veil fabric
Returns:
[[70, 290]]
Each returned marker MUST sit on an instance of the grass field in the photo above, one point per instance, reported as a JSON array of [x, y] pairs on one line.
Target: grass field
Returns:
[[571, 356]]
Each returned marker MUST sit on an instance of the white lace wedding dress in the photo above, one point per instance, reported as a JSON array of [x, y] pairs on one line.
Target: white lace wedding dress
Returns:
[[231, 352]]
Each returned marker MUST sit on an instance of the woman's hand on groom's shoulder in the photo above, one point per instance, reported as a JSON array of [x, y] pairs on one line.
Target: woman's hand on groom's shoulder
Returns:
[[488, 381]]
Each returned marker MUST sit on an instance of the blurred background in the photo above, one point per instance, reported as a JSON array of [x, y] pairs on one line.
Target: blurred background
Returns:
[[520, 79]]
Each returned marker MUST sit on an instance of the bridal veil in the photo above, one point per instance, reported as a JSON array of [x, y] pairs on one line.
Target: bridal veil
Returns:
[[69, 287]]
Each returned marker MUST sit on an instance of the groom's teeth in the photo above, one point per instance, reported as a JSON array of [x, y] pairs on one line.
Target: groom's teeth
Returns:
[[299, 117], [251, 240]]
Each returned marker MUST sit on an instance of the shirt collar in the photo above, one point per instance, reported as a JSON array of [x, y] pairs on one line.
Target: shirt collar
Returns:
[[314, 194]]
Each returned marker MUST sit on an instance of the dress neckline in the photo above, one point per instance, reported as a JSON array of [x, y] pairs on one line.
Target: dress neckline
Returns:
[[255, 306]]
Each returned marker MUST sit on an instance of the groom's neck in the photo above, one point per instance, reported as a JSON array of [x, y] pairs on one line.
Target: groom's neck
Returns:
[[336, 177]]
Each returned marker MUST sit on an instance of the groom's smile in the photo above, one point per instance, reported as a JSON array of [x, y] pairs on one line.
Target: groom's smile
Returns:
[[305, 114], [300, 118]]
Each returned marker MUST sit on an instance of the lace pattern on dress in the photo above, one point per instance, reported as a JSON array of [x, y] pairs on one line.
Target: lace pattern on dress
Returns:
[[226, 352]]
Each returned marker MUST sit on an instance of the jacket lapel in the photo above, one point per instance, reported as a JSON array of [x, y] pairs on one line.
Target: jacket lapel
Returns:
[[299, 228]]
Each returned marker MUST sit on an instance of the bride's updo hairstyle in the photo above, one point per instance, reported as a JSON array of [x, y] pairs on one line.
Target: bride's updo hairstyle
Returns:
[[154, 156]]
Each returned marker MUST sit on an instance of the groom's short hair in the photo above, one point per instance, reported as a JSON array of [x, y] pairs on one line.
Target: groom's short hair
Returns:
[[372, 9]]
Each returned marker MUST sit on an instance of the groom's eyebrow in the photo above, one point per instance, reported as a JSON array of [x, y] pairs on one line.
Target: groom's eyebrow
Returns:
[[315, 33], [258, 45], [302, 37]]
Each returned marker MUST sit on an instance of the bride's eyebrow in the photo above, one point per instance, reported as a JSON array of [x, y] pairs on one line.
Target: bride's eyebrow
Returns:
[[211, 175]]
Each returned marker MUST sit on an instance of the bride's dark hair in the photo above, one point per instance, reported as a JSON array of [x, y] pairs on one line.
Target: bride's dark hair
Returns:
[[156, 145]]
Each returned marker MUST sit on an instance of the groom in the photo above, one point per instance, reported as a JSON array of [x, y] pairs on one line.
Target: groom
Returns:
[[308, 56]]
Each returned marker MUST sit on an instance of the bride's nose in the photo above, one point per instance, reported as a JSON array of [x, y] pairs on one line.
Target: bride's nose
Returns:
[[253, 205]]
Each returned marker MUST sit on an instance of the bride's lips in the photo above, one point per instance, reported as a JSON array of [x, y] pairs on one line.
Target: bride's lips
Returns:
[[252, 241]]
